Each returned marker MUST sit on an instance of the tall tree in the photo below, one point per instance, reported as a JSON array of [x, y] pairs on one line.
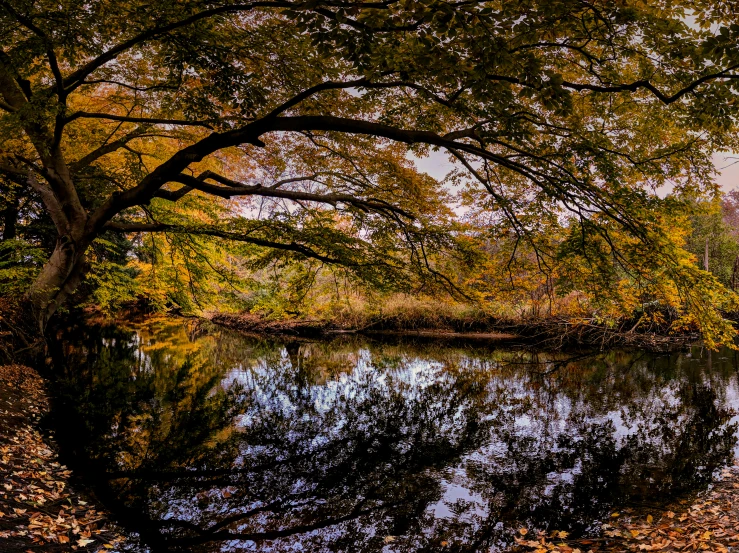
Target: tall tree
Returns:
[[113, 113]]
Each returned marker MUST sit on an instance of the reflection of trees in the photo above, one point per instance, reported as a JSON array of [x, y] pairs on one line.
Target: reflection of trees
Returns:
[[337, 446]]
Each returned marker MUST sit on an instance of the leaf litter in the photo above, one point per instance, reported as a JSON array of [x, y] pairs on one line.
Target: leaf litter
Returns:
[[39, 511], [710, 523]]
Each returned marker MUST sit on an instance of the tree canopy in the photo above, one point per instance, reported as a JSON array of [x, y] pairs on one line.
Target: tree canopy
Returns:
[[287, 132]]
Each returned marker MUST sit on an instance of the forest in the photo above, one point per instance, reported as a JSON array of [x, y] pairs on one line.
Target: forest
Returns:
[[263, 158], [180, 178]]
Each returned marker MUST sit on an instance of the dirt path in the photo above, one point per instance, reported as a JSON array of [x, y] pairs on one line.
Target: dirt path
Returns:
[[39, 510]]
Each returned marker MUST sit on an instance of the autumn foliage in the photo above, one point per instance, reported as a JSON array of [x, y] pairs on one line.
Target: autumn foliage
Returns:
[[265, 156]]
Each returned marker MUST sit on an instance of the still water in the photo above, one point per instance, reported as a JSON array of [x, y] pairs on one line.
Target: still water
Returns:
[[201, 439]]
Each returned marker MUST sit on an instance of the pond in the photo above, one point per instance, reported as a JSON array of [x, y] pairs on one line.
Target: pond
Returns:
[[201, 439]]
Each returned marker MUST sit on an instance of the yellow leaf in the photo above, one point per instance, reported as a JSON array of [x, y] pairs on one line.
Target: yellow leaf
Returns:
[[84, 542], [650, 519], [614, 515], [562, 534]]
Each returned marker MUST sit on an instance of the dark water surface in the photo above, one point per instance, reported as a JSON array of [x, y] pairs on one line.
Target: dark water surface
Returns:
[[204, 440]]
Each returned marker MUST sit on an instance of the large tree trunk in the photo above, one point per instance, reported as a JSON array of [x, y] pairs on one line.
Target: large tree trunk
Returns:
[[58, 279]]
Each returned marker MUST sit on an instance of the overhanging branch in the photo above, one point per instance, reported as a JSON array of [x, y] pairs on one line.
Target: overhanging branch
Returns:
[[233, 188], [129, 119], [236, 237]]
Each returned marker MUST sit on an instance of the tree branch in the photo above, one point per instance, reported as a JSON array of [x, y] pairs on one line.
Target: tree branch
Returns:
[[234, 188], [162, 227], [106, 149], [630, 87], [171, 169], [53, 206], [76, 78], [28, 23], [129, 119]]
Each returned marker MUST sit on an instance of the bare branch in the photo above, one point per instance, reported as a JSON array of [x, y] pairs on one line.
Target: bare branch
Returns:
[[307, 93], [665, 98], [131, 87]]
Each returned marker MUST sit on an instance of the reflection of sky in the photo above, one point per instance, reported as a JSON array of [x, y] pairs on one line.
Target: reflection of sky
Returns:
[[416, 373], [542, 426], [732, 400]]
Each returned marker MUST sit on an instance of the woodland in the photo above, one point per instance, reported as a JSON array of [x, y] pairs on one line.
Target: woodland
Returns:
[[267, 158], [540, 167]]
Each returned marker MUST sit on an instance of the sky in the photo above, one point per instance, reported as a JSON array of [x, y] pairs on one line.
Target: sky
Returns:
[[437, 165], [728, 167]]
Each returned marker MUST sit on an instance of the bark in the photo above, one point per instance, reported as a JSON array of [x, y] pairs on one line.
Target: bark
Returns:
[[58, 279]]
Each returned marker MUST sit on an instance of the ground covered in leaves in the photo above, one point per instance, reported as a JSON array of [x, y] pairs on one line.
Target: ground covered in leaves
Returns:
[[710, 522], [39, 511]]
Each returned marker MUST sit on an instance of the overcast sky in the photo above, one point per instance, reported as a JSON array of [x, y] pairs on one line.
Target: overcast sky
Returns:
[[727, 165]]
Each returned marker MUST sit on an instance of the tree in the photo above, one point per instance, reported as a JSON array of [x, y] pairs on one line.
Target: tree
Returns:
[[115, 115]]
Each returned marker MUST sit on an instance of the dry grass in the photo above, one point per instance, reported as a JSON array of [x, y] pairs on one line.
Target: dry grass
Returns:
[[404, 312]]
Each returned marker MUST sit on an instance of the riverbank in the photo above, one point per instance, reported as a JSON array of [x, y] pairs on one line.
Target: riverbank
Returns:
[[40, 509], [710, 522], [19, 387], [552, 333]]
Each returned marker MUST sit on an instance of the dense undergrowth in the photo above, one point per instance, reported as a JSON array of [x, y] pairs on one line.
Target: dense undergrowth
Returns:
[[651, 327]]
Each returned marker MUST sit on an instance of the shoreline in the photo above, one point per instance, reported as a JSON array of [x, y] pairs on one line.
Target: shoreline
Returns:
[[42, 508], [58, 515], [706, 521], [547, 334]]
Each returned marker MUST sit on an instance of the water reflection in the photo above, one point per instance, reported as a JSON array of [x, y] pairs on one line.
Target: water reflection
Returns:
[[204, 440]]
